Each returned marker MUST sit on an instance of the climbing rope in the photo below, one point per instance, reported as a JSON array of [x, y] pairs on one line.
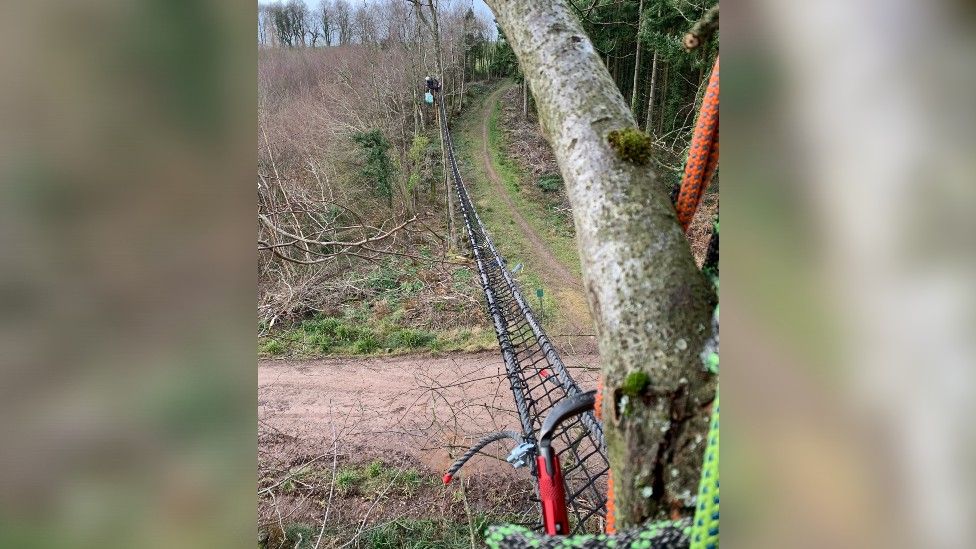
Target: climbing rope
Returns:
[[702, 155], [478, 446]]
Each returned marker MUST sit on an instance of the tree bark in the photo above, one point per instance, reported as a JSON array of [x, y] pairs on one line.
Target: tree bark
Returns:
[[651, 306]]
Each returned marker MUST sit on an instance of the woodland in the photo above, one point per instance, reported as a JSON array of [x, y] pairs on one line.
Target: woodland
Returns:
[[364, 249]]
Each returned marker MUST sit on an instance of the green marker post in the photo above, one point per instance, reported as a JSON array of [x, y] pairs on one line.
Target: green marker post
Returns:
[[539, 293]]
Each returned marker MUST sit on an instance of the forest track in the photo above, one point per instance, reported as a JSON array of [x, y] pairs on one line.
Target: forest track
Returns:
[[566, 285], [420, 406], [410, 413], [552, 268]]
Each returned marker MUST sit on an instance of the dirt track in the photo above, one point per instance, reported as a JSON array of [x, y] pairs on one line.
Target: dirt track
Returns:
[[413, 406], [564, 283], [552, 269]]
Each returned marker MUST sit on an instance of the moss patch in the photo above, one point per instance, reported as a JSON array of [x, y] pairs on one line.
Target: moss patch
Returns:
[[635, 383], [631, 145]]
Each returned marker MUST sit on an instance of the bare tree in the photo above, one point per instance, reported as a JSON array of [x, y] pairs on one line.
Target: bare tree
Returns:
[[282, 24], [433, 25], [313, 104], [289, 22], [263, 26], [651, 305], [313, 26], [325, 21], [342, 15], [637, 60], [365, 25], [298, 12]]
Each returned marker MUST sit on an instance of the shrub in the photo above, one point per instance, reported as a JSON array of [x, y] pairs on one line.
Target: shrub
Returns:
[[377, 168], [273, 347], [550, 182]]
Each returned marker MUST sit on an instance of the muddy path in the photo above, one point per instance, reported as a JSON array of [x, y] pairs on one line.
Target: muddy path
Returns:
[[411, 413], [552, 268], [424, 407]]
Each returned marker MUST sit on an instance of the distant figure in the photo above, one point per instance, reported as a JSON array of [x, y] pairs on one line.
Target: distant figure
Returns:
[[432, 84]]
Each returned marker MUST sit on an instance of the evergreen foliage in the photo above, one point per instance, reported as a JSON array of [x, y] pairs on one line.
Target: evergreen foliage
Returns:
[[377, 170]]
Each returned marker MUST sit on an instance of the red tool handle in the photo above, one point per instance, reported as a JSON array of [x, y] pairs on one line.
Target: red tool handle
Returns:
[[552, 493]]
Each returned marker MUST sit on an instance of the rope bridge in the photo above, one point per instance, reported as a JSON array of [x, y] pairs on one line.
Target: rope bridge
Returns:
[[539, 380]]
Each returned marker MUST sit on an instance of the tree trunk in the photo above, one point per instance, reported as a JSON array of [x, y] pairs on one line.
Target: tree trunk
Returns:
[[650, 304], [434, 27], [664, 99], [650, 97], [464, 68], [637, 60]]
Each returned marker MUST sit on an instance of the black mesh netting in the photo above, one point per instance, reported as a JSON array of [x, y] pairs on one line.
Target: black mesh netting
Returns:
[[538, 377]]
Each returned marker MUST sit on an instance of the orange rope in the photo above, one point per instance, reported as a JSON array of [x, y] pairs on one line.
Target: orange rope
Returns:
[[611, 521], [702, 155], [598, 412]]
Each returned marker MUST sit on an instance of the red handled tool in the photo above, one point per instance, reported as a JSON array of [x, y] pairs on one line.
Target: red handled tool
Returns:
[[552, 487]]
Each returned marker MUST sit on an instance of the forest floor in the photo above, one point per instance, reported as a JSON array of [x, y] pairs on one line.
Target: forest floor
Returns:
[[361, 444]]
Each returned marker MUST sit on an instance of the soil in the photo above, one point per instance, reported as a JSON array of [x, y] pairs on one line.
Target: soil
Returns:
[[416, 411]]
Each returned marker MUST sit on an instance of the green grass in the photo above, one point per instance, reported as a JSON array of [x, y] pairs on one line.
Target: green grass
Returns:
[[352, 336], [427, 534], [405, 533], [378, 478]]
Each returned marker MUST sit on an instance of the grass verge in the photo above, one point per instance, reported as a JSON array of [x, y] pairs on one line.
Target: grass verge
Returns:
[[398, 307], [555, 229]]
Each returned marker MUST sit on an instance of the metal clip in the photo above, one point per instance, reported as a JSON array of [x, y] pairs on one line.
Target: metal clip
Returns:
[[519, 457]]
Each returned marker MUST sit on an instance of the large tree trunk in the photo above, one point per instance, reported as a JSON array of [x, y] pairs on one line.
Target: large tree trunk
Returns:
[[651, 306]]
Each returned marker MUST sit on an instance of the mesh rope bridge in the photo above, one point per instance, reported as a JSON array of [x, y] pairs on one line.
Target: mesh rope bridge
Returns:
[[538, 378]]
